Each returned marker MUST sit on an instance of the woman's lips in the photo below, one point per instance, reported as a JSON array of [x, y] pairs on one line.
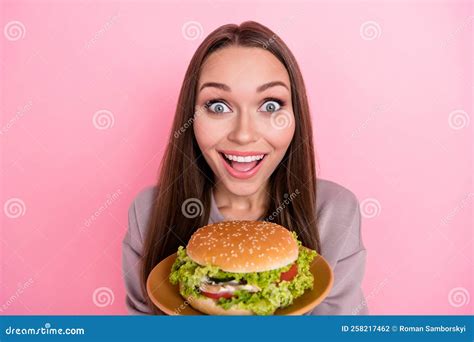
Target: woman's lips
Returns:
[[242, 170]]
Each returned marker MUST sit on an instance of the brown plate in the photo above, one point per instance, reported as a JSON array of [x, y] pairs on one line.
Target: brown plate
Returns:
[[167, 298]]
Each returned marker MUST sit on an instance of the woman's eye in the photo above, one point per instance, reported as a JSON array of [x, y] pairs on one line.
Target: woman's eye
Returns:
[[218, 107], [270, 106]]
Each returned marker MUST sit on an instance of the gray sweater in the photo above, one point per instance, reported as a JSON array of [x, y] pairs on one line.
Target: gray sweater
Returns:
[[341, 242]]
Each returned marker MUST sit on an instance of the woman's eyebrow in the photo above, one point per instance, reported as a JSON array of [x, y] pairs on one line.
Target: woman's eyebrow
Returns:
[[215, 85], [261, 88], [271, 84]]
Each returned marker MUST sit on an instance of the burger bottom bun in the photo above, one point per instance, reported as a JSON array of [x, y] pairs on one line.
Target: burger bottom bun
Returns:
[[209, 306]]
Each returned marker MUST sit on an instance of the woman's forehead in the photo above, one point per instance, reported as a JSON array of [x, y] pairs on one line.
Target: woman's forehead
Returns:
[[239, 66]]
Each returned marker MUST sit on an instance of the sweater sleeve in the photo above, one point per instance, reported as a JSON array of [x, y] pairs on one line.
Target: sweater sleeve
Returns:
[[346, 296], [132, 245]]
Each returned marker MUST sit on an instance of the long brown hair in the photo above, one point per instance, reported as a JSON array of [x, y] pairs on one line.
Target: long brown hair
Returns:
[[184, 173]]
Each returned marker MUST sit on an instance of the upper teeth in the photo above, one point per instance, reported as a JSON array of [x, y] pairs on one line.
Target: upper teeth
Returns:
[[246, 159]]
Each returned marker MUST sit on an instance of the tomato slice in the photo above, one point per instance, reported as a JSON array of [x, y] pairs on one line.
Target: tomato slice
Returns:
[[217, 295], [290, 274]]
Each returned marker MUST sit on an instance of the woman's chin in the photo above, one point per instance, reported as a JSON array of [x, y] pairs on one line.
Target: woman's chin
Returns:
[[240, 188]]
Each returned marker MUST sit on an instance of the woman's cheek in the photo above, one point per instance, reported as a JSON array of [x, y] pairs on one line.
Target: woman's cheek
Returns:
[[207, 131], [279, 129]]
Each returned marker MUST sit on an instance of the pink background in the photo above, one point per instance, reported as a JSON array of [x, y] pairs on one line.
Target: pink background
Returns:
[[390, 89]]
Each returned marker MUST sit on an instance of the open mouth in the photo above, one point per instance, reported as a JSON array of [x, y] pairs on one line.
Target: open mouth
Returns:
[[243, 164]]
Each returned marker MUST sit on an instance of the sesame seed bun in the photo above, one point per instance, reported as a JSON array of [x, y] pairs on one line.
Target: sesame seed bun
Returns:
[[209, 307], [243, 246]]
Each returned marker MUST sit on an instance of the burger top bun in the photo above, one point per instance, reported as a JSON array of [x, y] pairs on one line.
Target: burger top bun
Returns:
[[243, 246]]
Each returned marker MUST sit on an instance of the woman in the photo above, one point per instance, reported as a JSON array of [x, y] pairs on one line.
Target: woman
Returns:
[[242, 148]]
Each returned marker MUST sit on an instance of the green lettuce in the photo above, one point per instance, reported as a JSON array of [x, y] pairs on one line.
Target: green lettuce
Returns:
[[272, 296]]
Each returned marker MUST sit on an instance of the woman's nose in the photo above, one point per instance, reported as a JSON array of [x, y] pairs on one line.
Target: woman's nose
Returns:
[[244, 129]]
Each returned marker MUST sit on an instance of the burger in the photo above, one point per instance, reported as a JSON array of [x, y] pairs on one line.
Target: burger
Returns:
[[242, 268]]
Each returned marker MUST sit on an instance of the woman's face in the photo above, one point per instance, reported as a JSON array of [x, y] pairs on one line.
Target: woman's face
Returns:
[[244, 120]]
